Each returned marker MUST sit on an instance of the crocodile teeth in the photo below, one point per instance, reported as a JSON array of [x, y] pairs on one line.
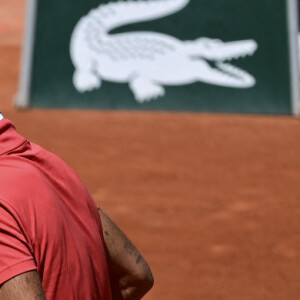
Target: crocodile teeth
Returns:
[[231, 69]]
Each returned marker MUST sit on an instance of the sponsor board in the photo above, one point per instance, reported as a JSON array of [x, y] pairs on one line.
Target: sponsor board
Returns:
[[191, 55]]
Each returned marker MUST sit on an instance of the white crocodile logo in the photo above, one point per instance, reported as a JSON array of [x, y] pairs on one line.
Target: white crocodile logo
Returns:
[[147, 61]]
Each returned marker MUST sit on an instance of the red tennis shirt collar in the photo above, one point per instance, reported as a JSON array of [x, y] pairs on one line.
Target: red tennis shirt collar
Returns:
[[9, 138]]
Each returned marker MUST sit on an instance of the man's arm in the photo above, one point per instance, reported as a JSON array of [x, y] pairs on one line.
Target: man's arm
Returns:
[[26, 286], [131, 277]]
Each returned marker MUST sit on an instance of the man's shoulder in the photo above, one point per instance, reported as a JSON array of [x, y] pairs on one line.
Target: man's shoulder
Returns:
[[18, 176], [15, 166]]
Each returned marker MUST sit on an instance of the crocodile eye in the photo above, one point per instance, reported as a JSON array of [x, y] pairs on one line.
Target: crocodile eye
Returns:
[[217, 42], [210, 43], [207, 44]]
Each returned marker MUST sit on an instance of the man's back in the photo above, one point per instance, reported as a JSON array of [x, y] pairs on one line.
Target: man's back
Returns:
[[49, 222]]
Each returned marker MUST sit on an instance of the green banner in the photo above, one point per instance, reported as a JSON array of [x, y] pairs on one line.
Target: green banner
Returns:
[[197, 55]]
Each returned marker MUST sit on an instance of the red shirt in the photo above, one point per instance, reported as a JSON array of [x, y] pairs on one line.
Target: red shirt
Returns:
[[48, 222]]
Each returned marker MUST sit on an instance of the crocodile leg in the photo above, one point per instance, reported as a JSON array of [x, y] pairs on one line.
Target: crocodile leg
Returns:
[[85, 79], [145, 89]]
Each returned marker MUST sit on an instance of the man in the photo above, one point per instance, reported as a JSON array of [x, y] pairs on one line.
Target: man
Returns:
[[54, 241]]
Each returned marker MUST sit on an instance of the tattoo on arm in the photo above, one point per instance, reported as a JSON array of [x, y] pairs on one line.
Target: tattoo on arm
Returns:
[[129, 247], [138, 260]]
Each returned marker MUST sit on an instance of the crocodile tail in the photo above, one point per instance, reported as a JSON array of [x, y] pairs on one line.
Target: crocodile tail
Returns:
[[116, 14]]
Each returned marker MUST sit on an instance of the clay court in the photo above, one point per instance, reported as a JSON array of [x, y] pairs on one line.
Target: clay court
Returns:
[[211, 200]]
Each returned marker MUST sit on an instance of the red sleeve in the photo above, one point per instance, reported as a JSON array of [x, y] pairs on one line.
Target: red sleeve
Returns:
[[15, 255]]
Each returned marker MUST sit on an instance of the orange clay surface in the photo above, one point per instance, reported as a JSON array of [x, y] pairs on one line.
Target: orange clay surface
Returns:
[[213, 201]]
